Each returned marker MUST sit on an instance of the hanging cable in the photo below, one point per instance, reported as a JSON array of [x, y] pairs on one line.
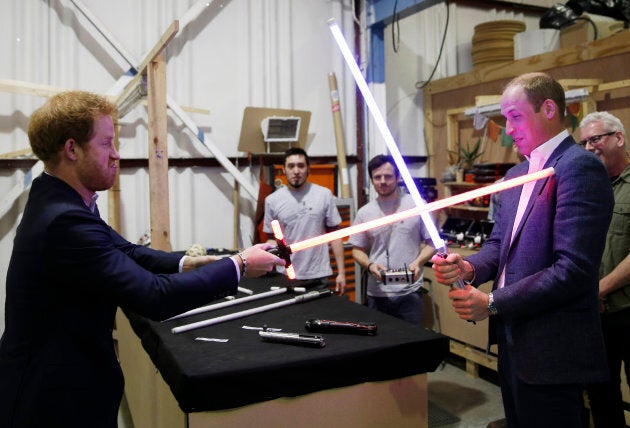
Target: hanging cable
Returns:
[[395, 28], [422, 84]]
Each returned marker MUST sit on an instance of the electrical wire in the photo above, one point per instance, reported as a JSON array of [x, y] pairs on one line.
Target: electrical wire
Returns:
[[354, 14], [584, 18], [395, 28], [422, 84]]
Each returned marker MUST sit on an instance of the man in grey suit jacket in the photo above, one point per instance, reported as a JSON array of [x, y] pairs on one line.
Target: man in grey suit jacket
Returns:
[[69, 271], [543, 256]]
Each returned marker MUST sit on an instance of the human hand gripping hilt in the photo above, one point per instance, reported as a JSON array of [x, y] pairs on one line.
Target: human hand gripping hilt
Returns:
[[282, 250], [443, 252]]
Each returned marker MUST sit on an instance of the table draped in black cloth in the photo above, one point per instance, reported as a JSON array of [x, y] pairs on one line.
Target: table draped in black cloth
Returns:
[[208, 376]]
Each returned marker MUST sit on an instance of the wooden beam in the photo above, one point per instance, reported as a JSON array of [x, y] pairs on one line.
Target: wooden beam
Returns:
[[158, 48], [189, 17], [474, 357], [579, 83], [113, 194], [158, 155], [484, 100], [19, 87], [614, 85], [16, 153], [610, 46], [47, 91]]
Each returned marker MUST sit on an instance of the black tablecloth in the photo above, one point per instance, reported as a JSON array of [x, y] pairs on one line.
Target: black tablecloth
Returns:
[[206, 376]]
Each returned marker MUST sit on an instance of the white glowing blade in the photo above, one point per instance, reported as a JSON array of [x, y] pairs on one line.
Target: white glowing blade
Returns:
[[433, 206], [385, 132]]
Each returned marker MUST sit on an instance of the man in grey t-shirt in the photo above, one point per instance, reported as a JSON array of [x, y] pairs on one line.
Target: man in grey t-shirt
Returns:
[[305, 210], [391, 247]]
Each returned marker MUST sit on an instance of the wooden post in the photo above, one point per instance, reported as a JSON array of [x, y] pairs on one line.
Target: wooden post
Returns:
[[158, 155], [341, 144], [237, 219], [113, 194]]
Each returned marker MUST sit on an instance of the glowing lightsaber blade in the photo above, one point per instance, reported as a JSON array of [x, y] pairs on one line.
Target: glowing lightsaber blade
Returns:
[[438, 242], [433, 206], [436, 239], [282, 250]]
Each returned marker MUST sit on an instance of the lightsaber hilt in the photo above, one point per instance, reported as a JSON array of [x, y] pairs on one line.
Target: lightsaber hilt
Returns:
[[442, 252], [282, 250], [459, 283]]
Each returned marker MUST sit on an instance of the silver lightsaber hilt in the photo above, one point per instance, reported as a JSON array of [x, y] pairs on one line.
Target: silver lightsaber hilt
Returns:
[[442, 252]]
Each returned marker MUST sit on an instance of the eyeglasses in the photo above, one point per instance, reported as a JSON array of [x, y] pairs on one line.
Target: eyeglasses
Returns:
[[595, 138]]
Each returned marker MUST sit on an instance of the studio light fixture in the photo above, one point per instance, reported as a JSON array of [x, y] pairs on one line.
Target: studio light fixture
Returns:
[[563, 15]]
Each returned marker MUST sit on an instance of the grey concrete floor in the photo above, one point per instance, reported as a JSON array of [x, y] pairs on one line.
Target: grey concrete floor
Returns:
[[475, 402]]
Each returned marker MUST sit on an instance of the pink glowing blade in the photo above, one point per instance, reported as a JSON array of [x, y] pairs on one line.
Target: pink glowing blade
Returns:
[[277, 230], [290, 272], [284, 250], [433, 206]]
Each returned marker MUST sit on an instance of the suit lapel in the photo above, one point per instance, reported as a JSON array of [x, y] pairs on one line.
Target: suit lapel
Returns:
[[536, 192]]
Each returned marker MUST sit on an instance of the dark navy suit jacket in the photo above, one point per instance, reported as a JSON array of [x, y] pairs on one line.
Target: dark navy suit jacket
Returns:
[[548, 307], [69, 272]]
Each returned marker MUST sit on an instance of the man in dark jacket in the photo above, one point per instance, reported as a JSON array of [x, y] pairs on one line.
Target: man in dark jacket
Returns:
[[69, 271]]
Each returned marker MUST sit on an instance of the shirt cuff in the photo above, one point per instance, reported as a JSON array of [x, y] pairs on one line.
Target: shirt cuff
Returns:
[[238, 270], [181, 264], [474, 272]]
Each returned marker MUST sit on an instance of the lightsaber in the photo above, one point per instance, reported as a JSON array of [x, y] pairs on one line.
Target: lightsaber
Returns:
[[362, 227], [433, 206], [214, 306], [282, 249], [297, 299], [438, 242], [436, 239]]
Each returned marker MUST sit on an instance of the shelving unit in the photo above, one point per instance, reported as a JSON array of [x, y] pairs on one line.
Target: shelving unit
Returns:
[[448, 101], [597, 66], [465, 210]]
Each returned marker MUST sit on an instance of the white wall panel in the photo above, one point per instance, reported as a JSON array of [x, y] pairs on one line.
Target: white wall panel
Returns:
[[419, 39], [234, 54]]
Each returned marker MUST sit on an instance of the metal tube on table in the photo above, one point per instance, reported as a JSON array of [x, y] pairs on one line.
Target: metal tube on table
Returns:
[[214, 306], [297, 299]]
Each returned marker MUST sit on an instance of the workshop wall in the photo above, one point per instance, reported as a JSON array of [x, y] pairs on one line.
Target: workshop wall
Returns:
[[232, 54]]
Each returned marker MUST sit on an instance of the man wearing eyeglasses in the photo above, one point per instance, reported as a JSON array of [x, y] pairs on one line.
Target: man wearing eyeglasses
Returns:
[[604, 135]]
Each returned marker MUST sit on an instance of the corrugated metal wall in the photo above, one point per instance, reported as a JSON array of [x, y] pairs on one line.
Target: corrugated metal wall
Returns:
[[230, 55], [234, 54]]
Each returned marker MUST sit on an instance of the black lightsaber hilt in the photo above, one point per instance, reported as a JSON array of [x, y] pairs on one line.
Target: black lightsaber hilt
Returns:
[[283, 251]]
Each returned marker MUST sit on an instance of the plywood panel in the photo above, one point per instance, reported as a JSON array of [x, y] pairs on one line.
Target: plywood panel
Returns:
[[602, 59]]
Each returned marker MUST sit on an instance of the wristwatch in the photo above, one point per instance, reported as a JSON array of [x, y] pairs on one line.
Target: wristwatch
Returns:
[[491, 308]]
